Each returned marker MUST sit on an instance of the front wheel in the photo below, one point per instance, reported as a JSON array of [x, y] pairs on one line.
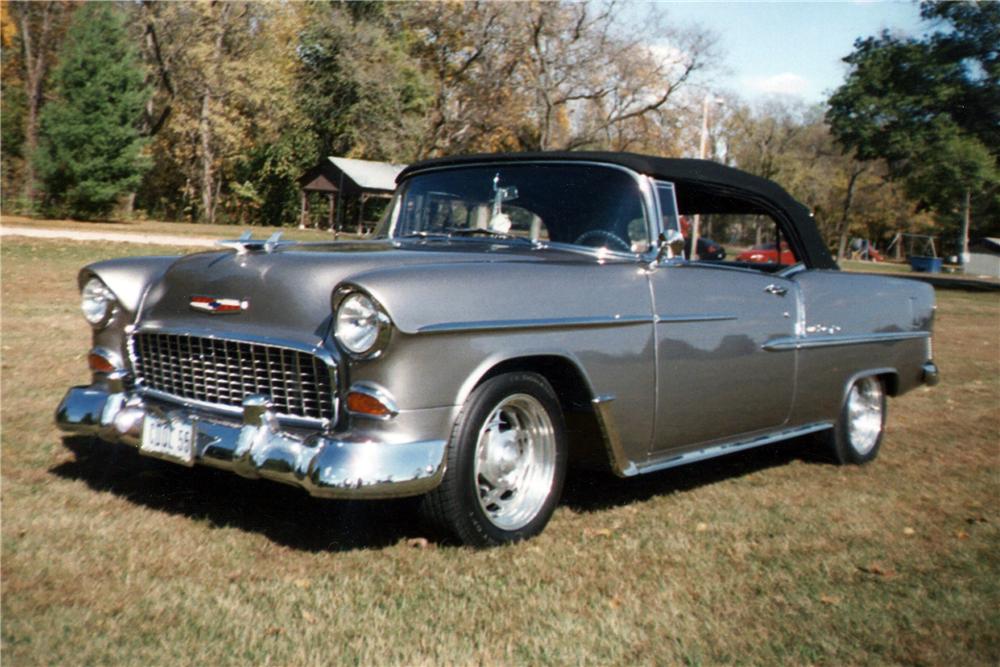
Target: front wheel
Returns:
[[506, 463], [857, 435]]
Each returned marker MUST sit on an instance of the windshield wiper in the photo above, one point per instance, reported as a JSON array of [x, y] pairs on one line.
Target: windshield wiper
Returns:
[[423, 235], [477, 231], [481, 231]]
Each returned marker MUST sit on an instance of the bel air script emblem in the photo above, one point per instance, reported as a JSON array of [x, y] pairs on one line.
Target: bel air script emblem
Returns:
[[214, 306]]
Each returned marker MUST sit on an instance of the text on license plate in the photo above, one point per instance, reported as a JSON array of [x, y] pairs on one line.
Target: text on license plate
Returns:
[[168, 439]]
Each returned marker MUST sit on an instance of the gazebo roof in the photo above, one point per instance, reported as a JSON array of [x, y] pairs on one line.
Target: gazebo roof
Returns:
[[369, 175]]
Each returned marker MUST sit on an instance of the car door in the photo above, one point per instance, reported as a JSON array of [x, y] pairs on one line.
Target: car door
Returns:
[[714, 379]]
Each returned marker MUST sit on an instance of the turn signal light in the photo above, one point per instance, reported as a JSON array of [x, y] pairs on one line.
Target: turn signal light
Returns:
[[99, 364], [366, 404]]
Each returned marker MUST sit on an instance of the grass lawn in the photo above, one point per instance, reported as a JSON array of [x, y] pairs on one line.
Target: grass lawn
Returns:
[[763, 557]]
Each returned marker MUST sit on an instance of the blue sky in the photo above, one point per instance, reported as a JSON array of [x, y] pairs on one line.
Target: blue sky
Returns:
[[790, 48]]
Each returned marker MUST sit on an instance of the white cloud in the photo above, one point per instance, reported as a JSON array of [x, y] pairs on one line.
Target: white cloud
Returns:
[[664, 52], [786, 83]]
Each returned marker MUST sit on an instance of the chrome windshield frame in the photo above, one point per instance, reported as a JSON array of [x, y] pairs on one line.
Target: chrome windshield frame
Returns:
[[647, 199]]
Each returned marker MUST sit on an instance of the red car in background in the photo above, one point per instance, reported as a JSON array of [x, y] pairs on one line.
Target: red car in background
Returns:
[[766, 253]]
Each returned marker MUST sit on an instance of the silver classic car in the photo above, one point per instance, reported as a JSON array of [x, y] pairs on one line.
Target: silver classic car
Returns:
[[514, 315]]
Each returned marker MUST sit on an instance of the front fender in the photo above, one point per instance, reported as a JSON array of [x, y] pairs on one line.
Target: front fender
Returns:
[[128, 278]]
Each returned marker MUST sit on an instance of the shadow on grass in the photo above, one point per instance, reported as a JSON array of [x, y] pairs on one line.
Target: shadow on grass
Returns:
[[284, 514], [290, 517], [593, 491]]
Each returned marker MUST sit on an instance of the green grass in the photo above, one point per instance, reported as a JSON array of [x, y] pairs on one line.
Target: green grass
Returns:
[[764, 557], [874, 267]]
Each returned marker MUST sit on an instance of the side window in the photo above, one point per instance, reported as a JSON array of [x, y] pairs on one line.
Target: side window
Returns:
[[730, 229], [668, 206], [753, 240]]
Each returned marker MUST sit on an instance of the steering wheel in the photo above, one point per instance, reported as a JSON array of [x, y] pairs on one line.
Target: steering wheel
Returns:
[[604, 239]]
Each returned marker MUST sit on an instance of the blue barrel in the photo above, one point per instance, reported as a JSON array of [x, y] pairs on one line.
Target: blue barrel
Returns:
[[926, 264]]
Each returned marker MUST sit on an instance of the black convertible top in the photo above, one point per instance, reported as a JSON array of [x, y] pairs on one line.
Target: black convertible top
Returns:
[[707, 184]]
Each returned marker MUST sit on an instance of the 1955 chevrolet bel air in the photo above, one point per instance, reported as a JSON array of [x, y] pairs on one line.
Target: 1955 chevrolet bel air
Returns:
[[513, 315]]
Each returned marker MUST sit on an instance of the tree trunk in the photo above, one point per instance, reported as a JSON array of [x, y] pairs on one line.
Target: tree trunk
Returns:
[[845, 218], [210, 187], [207, 158], [34, 68]]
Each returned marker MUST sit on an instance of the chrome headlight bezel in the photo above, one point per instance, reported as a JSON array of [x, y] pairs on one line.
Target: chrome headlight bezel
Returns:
[[97, 302], [364, 332]]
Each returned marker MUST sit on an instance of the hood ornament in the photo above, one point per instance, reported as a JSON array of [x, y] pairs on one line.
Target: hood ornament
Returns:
[[216, 306], [246, 243]]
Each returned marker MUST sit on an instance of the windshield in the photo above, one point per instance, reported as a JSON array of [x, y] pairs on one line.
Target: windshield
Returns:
[[585, 205]]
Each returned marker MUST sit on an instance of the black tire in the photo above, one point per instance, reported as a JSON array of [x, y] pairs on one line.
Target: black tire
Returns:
[[479, 463], [857, 435]]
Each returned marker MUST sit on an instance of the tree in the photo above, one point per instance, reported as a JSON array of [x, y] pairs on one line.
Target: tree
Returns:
[[36, 28], [930, 107], [91, 146], [363, 94], [227, 114], [793, 145], [469, 59], [593, 80]]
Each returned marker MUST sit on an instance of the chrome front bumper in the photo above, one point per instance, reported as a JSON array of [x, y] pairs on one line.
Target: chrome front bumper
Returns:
[[363, 464]]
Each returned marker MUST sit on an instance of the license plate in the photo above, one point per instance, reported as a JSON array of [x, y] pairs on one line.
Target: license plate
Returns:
[[168, 439]]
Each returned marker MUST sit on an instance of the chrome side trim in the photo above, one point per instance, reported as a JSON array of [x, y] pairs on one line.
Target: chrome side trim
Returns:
[[620, 463], [793, 343], [694, 317], [541, 323], [731, 447]]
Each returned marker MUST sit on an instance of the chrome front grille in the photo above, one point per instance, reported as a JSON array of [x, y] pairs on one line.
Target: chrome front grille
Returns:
[[224, 372]]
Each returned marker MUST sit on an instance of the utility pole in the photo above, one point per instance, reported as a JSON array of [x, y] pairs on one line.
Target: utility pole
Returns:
[[702, 152], [966, 215]]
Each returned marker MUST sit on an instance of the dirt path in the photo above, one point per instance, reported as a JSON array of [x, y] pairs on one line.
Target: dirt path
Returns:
[[118, 237]]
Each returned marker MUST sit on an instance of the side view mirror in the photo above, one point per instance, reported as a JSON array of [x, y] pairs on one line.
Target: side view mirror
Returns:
[[669, 245]]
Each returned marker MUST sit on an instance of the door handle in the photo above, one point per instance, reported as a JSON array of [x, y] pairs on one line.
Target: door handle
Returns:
[[777, 290]]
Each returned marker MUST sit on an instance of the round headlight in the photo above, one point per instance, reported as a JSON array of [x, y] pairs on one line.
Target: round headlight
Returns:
[[362, 327], [97, 302]]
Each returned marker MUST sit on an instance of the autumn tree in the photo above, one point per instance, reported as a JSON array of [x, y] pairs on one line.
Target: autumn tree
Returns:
[[594, 78], [548, 75], [32, 32], [226, 81], [90, 152], [469, 56]]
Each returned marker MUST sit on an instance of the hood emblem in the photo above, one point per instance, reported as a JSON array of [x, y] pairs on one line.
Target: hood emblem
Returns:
[[215, 306]]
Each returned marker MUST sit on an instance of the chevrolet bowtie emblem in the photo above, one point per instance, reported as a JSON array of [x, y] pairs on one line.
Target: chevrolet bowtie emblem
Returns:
[[214, 306]]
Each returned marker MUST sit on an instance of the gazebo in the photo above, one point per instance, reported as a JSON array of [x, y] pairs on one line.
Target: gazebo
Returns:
[[345, 179]]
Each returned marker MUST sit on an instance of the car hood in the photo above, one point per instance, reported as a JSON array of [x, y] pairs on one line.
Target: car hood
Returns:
[[286, 293]]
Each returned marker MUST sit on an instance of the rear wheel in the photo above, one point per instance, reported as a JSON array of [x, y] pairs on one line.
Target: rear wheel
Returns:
[[857, 435], [506, 463]]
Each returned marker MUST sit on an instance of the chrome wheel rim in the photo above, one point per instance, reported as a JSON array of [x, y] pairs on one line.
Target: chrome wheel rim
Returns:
[[864, 414], [515, 461]]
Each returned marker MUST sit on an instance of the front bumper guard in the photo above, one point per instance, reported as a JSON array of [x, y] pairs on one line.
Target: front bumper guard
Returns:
[[327, 465]]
